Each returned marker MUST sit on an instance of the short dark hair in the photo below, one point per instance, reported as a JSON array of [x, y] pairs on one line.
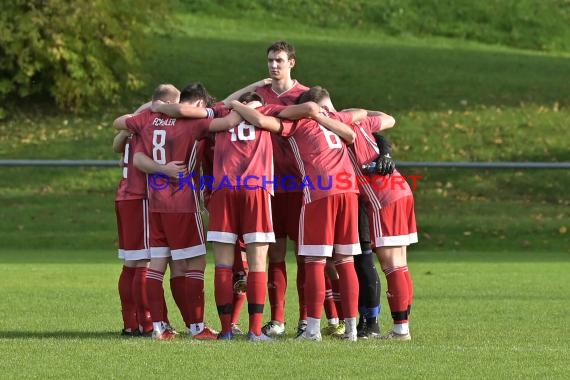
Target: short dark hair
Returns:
[[196, 91], [251, 96], [314, 94], [166, 93], [283, 46]]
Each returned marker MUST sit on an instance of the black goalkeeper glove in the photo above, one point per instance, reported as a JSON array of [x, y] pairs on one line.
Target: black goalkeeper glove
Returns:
[[385, 164]]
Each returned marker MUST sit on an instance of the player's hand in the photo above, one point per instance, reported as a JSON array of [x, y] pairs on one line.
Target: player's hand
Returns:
[[385, 164], [173, 168]]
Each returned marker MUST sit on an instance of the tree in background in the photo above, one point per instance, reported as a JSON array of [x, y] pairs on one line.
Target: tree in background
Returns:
[[77, 53]]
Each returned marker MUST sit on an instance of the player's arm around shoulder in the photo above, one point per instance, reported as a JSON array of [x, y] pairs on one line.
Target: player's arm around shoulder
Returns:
[[256, 118], [344, 131], [146, 165], [179, 110], [299, 111], [120, 123], [120, 141]]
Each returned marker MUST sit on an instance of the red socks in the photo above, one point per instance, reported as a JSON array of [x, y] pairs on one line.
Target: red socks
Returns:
[[178, 289], [336, 297], [329, 304], [155, 294], [141, 299], [195, 296], [398, 293], [314, 285], [223, 292], [410, 289], [276, 287], [348, 285], [301, 288], [256, 291], [126, 294]]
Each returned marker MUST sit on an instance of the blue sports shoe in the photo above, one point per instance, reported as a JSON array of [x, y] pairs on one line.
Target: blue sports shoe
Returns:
[[226, 336]]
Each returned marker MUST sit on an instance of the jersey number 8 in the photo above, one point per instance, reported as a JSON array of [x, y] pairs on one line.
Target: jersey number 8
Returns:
[[158, 141]]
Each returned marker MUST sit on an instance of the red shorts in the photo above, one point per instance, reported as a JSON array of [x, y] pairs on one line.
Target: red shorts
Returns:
[[286, 208], [393, 225], [240, 212], [133, 229], [330, 222], [180, 235]]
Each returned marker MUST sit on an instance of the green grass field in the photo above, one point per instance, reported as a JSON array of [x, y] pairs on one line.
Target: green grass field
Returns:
[[491, 315], [490, 272]]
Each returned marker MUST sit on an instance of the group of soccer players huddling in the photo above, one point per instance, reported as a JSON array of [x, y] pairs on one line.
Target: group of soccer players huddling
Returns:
[[269, 130]]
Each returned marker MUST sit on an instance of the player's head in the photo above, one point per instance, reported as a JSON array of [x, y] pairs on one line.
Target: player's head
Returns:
[[280, 60], [196, 93], [315, 94], [166, 93], [249, 97]]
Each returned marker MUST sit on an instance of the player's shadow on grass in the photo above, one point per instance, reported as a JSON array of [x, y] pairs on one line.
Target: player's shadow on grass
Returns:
[[59, 335]]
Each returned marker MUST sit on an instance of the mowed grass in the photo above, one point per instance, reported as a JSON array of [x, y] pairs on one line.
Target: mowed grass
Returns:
[[490, 270], [491, 315]]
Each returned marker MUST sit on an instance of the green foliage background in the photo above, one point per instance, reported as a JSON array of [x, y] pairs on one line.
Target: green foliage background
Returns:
[[76, 53]]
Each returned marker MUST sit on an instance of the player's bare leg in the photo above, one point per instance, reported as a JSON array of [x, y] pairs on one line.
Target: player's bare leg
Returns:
[[223, 285], [256, 287], [276, 287], [394, 265]]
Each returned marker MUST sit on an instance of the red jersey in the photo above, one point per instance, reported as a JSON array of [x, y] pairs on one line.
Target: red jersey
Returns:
[[282, 155], [321, 156], [243, 157], [133, 183], [206, 163], [168, 139], [364, 147], [378, 190]]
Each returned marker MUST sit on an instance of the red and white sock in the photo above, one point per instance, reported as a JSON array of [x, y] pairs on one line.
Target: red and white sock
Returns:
[[348, 286], [330, 307], [155, 294], [195, 295], [141, 299], [336, 297]]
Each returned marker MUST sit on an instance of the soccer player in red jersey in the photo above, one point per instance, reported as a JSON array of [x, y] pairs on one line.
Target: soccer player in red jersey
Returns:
[[390, 207], [321, 155], [286, 204], [242, 153], [131, 209], [176, 232], [240, 267]]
